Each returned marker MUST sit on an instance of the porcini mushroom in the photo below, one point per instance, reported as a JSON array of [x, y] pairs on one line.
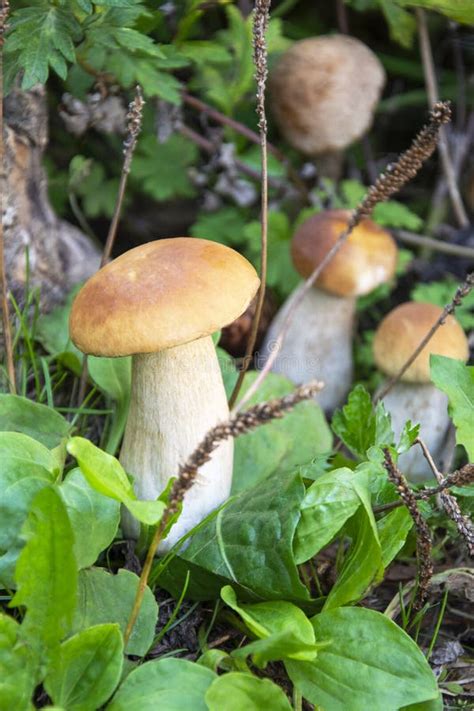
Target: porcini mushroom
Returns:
[[159, 303], [319, 340], [324, 91], [414, 397]]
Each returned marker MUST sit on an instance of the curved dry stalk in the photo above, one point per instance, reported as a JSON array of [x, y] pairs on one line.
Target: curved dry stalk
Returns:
[[260, 24], [433, 95], [7, 334], [435, 245], [395, 176], [239, 424], [461, 292]]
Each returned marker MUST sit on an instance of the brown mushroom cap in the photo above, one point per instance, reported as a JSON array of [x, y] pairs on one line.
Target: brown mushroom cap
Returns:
[[367, 259], [402, 330], [324, 91], [159, 295]]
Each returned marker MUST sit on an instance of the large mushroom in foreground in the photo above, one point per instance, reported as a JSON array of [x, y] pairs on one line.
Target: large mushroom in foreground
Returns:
[[415, 397], [318, 343], [324, 91], [160, 303]]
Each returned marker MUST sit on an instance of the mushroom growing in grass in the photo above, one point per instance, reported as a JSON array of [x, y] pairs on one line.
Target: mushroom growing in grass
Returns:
[[324, 91], [318, 343], [160, 303], [414, 397]]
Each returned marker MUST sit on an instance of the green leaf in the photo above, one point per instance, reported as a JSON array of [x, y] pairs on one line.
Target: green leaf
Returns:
[[151, 157], [46, 573], [402, 24], [171, 684], [457, 10], [103, 598], [226, 226], [26, 467], [393, 530], [94, 518], [52, 332], [236, 691], [248, 543], [457, 381], [107, 476], [281, 445], [87, 668], [42, 37], [18, 414], [360, 425], [17, 677], [114, 377], [363, 564], [282, 629], [397, 215], [328, 504], [441, 293], [370, 663]]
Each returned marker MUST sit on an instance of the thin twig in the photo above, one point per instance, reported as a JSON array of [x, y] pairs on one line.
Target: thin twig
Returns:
[[461, 292], [260, 24], [395, 176], [7, 334], [342, 20], [247, 132], [433, 96], [423, 537], [237, 425], [436, 245], [449, 503], [460, 477], [134, 123]]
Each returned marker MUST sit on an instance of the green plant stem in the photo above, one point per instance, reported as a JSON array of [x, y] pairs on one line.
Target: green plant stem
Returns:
[[7, 335]]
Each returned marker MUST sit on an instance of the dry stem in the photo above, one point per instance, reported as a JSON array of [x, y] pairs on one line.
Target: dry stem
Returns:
[[436, 245], [423, 537], [433, 95], [237, 425], [461, 292], [134, 123], [260, 24], [388, 183], [7, 334], [450, 505]]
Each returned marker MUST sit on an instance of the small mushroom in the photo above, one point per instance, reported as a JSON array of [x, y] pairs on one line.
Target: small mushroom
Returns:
[[414, 397], [319, 340], [324, 91], [160, 303]]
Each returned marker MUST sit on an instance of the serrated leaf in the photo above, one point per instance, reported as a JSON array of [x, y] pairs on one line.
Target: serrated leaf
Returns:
[[441, 293], [46, 573], [226, 226], [457, 381], [86, 668], [360, 424], [151, 159]]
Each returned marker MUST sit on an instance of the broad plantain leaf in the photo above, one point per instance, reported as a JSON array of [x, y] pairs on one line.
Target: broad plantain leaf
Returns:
[[237, 691]]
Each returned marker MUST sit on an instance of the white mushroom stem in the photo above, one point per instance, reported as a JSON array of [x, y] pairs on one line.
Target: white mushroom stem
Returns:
[[318, 343], [177, 396], [423, 404]]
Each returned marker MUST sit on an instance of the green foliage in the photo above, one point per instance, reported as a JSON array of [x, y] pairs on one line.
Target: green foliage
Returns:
[[361, 425], [17, 680], [457, 381], [281, 445], [173, 684], [441, 293], [94, 518], [106, 598], [380, 665], [249, 542], [87, 668], [18, 414], [162, 168], [236, 691], [457, 10], [283, 631], [46, 573], [107, 476], [87, 179]]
